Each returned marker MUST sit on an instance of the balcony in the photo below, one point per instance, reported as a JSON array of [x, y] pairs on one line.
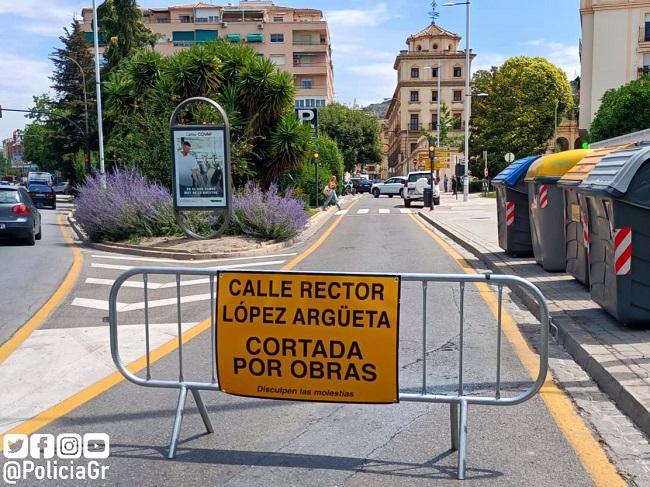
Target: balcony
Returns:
[[414, 127], [644, 71]]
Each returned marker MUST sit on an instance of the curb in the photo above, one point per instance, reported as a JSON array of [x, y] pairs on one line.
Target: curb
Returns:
[[314, 223], [567, 330]]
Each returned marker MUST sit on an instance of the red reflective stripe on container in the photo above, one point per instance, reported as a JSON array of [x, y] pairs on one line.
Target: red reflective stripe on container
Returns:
[[510, 213], [543, 196], [623, 251]]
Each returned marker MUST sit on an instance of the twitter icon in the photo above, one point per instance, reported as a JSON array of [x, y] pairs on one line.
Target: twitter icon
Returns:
[[15, 445]]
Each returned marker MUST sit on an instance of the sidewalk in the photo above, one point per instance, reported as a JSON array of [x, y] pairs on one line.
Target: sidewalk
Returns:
[[615, 356]]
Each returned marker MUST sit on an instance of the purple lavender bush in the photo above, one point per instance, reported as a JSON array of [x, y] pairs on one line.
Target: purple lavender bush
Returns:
[[268, 215], [130, 206]]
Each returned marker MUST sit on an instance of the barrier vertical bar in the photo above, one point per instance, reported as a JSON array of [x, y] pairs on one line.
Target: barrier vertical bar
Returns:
[[424, 337], [180, 327], [178, 419], [213, 342], [145, 279], [497, 394], [453, 421], [462, 439], [460, 339]]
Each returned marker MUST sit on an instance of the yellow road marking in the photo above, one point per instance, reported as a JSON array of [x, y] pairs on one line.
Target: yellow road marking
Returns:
[[581, 439], [51, 304], [80, 398]]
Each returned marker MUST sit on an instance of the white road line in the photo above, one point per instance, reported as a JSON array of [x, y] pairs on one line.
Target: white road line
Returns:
[[150, 285], [224, 267], [404, 210], [102, 304], [342, 212], [362, 211], [156, 259], [383, 211]]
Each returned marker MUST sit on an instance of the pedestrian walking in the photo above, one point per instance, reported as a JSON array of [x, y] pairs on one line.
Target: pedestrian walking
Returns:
[[454, 186], [330, 192], [445, 182]]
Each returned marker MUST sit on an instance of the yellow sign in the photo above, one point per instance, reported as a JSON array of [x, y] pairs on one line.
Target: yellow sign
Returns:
[[442, 154], [441, 165], [575, 213], [423, 157], [310, 337]]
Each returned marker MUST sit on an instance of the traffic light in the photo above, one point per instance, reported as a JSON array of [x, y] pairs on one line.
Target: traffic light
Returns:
[[316, 155], [432, 153]]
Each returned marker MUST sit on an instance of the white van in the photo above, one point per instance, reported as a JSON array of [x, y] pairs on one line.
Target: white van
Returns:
[[39, 176]]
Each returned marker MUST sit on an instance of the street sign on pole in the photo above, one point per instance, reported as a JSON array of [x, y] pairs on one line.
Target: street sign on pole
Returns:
[[509, 157], [310, 116]]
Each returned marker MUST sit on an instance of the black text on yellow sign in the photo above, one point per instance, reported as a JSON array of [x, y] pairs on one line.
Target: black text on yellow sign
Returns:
[[311, 337]]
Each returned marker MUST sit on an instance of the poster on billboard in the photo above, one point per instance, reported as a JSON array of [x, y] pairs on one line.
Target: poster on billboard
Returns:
[[199, 167]]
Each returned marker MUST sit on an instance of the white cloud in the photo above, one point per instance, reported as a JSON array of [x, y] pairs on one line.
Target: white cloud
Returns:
[[358, 17], [535, 42], [37, 16], [17, 91], [565, 56], [486, 61]]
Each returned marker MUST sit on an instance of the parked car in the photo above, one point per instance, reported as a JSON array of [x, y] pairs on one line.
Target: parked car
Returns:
[[363, 185], [42, 195], [417, 182], [391, 187], [62, 187], [19, 218]]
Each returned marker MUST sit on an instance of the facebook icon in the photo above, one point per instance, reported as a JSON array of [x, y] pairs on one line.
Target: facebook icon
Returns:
[[41, 446]]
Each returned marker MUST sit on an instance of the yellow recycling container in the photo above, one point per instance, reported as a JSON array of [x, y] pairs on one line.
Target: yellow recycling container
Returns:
[[546, 206]]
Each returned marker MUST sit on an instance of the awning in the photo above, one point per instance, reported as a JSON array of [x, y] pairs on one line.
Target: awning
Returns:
[[205, 35], [255, 37], [233, 37]]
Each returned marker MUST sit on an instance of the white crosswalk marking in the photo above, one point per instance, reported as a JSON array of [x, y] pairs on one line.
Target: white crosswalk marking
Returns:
[[157, 259], [153, 303], [383, 211], [224, 267], [150, 285], [405, 210], [342, 212], [362, 211]]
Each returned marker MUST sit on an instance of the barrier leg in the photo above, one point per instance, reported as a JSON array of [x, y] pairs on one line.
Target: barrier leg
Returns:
[[177, 422], [453, 421], [202, 410], [462, 440]]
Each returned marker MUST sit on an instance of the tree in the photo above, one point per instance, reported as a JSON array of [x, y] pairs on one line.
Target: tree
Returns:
[[518, 113], [37, 146], [355, 132], [623, 110], [121, 25], [447, 120], [267, 140]]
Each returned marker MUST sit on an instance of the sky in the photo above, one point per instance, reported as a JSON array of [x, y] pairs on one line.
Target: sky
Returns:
[[366, 36]]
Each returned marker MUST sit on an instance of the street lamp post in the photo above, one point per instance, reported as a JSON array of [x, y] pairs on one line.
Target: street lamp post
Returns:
[[468, 95], [316, 157], [83, 80], [98, 87]]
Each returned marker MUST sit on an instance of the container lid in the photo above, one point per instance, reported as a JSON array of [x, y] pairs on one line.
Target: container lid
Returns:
[[580, 171], [615, 173], [554, 166], [515, 171]]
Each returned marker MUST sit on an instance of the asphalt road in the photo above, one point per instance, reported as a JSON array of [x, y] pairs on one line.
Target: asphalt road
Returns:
[[266, 443], [31, 274]]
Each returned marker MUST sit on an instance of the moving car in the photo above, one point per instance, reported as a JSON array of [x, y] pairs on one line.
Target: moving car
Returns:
[[42, 195], [357, 185], [62, 187], [19, 218], [39, 177], [391, 187], [417, 181]]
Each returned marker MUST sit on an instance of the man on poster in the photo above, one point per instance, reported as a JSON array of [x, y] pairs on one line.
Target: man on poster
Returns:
[[187, 167]]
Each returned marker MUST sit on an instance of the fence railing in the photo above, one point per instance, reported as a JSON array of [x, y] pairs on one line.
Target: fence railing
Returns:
[[459, 400]]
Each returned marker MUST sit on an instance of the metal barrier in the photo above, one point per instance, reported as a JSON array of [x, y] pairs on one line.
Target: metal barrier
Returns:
[[459, 403]]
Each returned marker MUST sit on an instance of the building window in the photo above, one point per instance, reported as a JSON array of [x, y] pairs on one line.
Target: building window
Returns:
[[414, 146], [458, 95], [185, 19], [415, 72], [415, 96], [435, 47], [278, 18], [434, 95], [277, 37], [278, 59], [457, 72], [434, 72], [434, 123], [457, 121], [306, 84], [647, 28], [414, 123]]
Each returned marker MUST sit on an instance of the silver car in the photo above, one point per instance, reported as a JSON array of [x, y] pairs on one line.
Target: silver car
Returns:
[[19, 218], [391, 187]]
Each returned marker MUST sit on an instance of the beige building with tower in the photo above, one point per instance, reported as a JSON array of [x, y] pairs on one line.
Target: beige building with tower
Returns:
[[297, 40], [615, 49], [432, 53]]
